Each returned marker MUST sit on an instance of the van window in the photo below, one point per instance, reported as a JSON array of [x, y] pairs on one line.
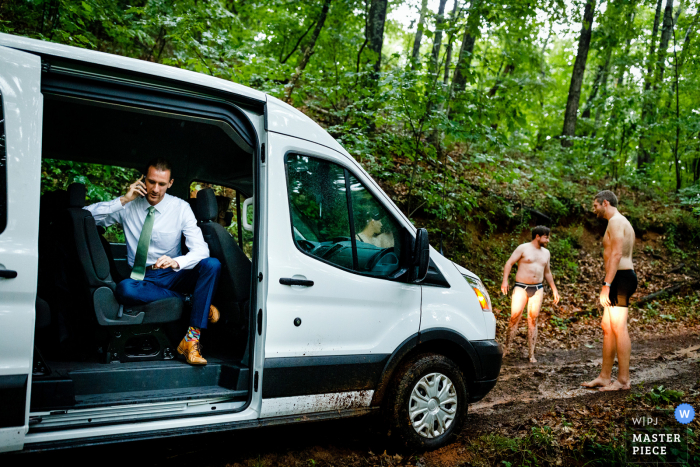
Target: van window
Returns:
[[319, 209], [228, 200], [102, 183], [348, 229], [3, 172], [376, 233]]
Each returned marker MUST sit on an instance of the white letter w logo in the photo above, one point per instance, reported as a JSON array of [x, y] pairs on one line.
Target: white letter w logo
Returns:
[[684, 413]]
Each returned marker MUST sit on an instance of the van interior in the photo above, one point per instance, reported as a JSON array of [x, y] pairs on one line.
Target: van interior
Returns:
[[92, 352]]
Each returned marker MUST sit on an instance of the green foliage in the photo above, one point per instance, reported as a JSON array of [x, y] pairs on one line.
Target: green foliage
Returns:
[[659, 396], [102, 182], [690, 196], [488, 155], [564, 248]]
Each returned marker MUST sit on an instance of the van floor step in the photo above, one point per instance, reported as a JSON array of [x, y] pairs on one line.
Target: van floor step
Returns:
[[162, 395], [73, 385]]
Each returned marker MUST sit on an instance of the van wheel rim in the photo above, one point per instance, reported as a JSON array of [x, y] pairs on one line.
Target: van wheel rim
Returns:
[[432, 407]]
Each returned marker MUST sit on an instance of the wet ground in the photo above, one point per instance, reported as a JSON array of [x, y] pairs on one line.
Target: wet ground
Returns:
[[525, 393]]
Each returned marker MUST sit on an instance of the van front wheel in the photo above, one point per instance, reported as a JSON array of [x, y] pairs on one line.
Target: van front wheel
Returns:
[[428, 402]]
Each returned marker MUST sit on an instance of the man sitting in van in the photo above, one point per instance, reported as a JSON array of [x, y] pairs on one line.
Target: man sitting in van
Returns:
[[154, 223]]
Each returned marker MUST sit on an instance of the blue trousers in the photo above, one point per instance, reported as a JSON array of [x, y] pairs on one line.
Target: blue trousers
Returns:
[[166, 283]]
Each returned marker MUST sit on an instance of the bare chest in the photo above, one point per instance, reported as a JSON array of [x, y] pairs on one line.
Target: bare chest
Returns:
[[533, 257]]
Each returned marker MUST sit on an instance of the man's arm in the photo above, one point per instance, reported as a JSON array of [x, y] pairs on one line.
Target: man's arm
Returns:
[[550, 280], [107, 213], [514, 258], [194, 241], [616, 230]]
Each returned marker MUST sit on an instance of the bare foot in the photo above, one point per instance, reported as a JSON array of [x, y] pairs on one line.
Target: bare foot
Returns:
[[505, 352], [616, 386], [598, 382], [533, 360]]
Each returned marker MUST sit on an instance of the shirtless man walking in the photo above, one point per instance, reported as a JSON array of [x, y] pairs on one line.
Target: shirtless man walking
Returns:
[[533, 264], [619, 285]]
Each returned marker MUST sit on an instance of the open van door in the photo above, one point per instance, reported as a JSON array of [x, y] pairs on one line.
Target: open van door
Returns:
[[20, 175]]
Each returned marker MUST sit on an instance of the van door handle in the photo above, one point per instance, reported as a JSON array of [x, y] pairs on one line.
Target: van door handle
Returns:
[[302, 282], [7, 274]]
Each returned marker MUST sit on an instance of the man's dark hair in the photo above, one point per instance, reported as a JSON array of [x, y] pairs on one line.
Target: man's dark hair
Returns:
[[608, 196], [540, 230], [161, 164]]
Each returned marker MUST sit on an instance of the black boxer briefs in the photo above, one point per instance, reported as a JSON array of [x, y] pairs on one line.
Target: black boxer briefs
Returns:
[[623, 287]]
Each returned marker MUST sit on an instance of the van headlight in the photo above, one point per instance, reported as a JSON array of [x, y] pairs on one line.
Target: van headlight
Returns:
[[481, 293]]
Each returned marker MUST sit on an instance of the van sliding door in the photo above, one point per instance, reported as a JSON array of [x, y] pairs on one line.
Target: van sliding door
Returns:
[[21, 105]]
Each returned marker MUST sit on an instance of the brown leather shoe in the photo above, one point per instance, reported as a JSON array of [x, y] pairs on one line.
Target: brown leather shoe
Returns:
[[214, 314], [192, 352]]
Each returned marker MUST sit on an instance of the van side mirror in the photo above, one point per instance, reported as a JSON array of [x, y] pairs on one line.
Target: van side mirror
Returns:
[[421, 257]]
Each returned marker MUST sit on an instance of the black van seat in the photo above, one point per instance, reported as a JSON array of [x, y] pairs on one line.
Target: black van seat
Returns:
[[234, 284], [96, 287], [43, 314]]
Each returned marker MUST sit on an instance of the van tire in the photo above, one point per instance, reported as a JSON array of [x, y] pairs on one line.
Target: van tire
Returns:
[[396, 411]]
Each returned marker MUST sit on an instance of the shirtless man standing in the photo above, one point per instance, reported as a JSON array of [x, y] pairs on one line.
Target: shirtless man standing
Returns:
[[619, 285], [533, 263]]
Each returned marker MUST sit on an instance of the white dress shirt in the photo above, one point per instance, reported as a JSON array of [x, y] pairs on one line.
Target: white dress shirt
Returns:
[[174, 217]]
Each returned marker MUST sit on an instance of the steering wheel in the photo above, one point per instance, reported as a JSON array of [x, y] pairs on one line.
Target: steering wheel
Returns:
[[306, 245], [331, 250], [378, 256]]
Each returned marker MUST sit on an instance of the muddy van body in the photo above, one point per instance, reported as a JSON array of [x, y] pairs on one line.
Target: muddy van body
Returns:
[[333, 304]]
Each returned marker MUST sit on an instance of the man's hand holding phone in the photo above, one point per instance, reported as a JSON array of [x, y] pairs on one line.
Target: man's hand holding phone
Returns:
[[136, 189]]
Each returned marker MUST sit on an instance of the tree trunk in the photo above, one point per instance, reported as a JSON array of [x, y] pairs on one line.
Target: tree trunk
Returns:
[[666, 32], [594, 93], [415, 57], [459, 79], [572, 101], [450, 40], [437, 42], [375, 33], [643, 155], [604, 95], [308, 51], [652, 47]]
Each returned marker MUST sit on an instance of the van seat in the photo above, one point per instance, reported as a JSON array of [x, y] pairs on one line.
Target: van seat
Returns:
[[94, 287], [234, 288]]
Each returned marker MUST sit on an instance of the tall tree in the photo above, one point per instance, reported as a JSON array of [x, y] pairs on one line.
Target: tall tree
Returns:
[[375, 32], [459, 79], [666, 32], [415, 57], [308, 51], [572, 101]]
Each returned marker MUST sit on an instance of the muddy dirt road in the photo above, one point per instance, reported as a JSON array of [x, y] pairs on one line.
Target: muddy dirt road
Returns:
[[523, 395]]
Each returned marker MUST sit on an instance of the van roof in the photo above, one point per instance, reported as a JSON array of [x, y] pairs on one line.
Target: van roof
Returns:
[[281, 117]]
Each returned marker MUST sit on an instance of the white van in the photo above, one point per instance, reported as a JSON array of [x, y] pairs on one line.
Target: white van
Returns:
[[317, 320]]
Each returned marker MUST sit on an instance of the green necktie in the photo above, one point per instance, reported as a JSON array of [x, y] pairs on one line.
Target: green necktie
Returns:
[[139, 271]]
